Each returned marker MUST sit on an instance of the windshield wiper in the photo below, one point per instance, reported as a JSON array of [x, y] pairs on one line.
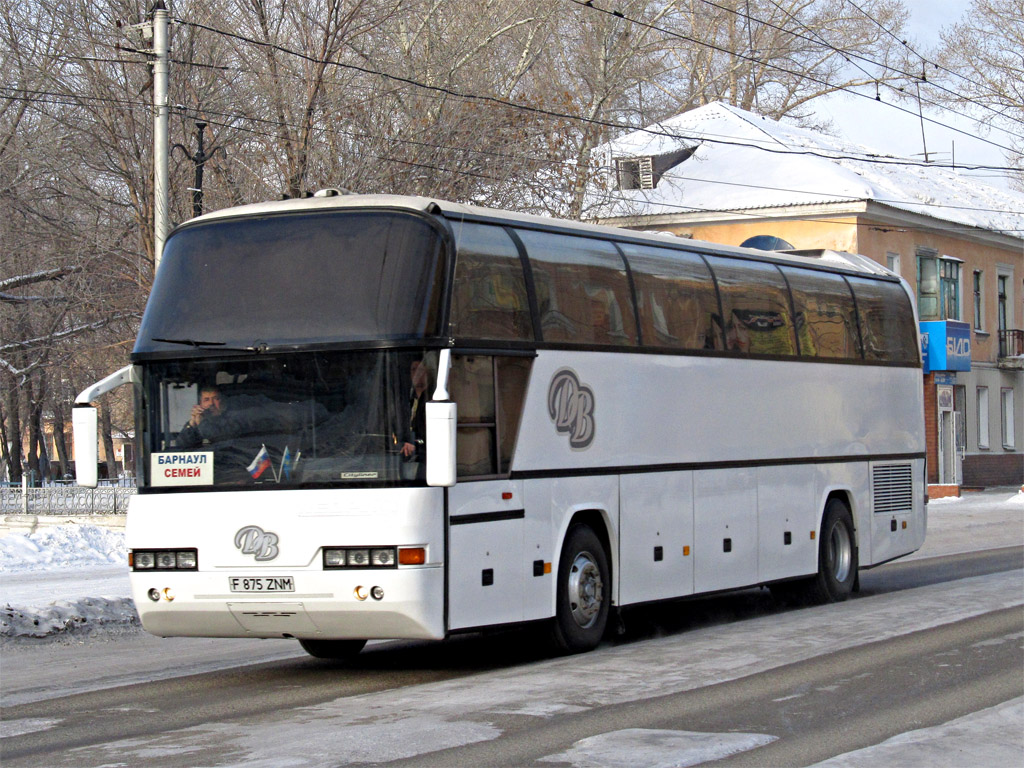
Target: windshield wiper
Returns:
[[208, 344]]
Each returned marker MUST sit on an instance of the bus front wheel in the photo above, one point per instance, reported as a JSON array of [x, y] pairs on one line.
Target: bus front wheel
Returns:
[[333, 649], [584, 592]]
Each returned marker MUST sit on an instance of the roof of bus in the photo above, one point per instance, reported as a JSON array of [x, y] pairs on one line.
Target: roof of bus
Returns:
[[331, 199]]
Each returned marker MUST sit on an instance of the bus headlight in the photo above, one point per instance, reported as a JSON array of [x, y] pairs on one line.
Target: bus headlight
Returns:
[[382, 558], [360, 557], [164, 559], [335, 558], [142, 561]]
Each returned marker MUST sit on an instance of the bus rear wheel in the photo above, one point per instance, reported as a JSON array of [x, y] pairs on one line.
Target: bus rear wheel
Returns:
[[333, 649], [837, 562], [581, 613]]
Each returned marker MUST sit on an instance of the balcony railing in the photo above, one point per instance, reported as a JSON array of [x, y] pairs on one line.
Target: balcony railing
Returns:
[[1011, 343]]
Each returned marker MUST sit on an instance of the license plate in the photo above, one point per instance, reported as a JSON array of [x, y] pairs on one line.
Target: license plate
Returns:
[[261, 583]]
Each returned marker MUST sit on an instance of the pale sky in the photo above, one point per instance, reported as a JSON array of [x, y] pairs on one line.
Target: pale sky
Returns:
[[884, 128]]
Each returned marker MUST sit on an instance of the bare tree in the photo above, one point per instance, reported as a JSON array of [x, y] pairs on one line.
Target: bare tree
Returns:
[[981, 70], [775, 56]]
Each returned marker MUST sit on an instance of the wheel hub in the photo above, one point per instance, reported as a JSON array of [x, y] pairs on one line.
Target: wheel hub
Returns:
[[586, 590], [840, 551]]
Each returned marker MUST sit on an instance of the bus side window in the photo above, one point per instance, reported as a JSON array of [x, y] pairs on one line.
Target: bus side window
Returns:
[[582, 289], [886, 321], [489, 300], [756, 307], [676, 298], [488, 426], [826, 319]]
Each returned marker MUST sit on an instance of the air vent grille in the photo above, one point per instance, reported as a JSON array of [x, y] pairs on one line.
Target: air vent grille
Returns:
[[892, 487]]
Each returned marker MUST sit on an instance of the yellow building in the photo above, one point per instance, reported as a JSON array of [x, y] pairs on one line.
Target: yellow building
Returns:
[[727, 176]]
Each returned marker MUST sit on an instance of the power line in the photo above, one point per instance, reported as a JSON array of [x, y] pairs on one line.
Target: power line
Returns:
[[686, 38], [504, 156], [848, 55], [924, 60], [866, 157]]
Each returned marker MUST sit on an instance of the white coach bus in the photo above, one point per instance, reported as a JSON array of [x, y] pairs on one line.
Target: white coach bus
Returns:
[[388, 417]]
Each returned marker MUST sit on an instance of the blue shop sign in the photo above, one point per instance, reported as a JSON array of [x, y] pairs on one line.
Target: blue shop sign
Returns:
[[946, 345]]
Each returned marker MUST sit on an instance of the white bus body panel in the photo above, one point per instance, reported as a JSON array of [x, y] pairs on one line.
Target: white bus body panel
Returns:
[[725, 529], [788, 503], [656, 510], [680, 409], [488, 566], [763, 466], [323, 604]]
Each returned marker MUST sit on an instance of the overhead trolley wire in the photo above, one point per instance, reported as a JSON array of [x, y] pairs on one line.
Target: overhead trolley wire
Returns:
[[686, 38], [864, 157], [849, 55]]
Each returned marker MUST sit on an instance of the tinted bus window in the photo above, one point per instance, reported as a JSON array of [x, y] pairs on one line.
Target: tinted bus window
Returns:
[[489, 299], [676, 298], [886, 321], [582, 289], [755, 307], [826, 319], [296, 279]]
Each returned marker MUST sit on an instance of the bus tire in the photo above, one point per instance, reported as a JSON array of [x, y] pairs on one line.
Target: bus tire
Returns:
[[333, 649], [583, 597], [837, 556], [837, 563]]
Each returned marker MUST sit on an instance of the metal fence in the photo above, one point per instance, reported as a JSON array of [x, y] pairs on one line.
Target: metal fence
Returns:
[[65, 500]]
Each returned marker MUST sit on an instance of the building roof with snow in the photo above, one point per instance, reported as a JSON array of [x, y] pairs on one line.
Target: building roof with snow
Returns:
[[720, 158]]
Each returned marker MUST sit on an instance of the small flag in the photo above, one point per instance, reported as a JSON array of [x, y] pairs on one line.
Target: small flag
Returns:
[[286, 464], [260, 464]]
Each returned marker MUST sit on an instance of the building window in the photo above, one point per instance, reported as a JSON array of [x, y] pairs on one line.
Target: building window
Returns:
[[636, 173], [938, 286], [950, 288], [983, 417], [928, 285], [1007, 417], [978, 305], [892, 261], [1003, 284]]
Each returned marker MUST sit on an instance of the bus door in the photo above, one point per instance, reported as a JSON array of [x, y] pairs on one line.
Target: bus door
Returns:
[[486, 511]]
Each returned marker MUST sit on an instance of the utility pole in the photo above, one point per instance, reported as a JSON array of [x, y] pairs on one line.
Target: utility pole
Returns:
[[920, 114], [199, 158], [160, 66]]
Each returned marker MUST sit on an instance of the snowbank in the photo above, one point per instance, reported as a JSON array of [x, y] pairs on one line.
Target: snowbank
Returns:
[[67, 546], [87, 615], [60, 557]]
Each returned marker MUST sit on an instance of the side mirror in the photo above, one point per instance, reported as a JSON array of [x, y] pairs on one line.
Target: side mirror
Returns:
[[85, 420], [442, 419]]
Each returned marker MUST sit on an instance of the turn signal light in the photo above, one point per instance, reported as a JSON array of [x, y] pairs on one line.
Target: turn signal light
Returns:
[[412, 556]]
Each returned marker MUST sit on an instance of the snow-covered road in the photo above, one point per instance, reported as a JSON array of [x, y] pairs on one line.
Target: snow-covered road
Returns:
[[66, 614]]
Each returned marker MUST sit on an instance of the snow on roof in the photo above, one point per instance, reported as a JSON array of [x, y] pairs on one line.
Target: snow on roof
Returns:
[[744, 161]]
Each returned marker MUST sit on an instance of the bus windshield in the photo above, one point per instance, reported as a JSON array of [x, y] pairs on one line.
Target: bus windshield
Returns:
[[296, 278], [307, 419]]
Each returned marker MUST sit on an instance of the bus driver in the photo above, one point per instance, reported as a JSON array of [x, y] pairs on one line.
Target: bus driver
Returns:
[[211, 405]]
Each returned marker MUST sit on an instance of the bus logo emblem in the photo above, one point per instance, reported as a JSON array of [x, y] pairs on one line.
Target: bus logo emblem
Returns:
[[571, 408], [253, 540]]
